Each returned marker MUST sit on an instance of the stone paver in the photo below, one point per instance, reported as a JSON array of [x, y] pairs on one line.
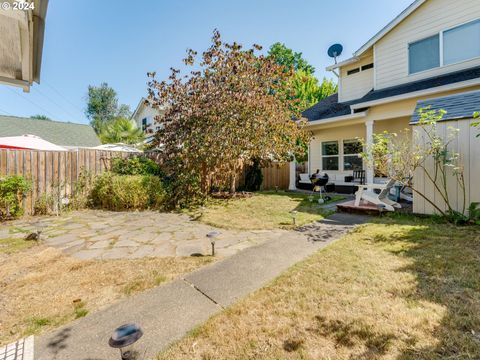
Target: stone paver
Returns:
[[168, 312], [116, 235]]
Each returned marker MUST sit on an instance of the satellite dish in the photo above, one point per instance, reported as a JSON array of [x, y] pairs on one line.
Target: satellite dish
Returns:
[[334, 51]]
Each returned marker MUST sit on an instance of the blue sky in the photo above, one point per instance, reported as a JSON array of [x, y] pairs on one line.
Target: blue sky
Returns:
[[118, 42]]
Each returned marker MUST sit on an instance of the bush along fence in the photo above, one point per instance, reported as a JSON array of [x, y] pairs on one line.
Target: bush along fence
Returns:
[[50, 171], [54, 176]]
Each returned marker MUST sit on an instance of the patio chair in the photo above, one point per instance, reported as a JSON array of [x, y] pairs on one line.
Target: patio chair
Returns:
[[366, 192], [304, 182]]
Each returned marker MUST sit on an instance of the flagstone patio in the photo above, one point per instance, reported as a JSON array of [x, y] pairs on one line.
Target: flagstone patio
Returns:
[[96, 234]]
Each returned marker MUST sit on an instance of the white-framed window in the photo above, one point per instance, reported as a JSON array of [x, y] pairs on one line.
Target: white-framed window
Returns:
[[451, 46], [330, 155], [351, 155], [461, 43]]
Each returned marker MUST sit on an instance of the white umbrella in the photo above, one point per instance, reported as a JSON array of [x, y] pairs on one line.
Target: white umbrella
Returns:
[[117, 147], [29, 142]]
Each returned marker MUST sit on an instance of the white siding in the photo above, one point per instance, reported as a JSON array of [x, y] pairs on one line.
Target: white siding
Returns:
[[468, 146], [391, 53], [356, 85]]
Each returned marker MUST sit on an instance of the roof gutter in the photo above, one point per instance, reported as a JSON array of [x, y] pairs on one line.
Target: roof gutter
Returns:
[[414, 94], [342, 63], [358, 115]]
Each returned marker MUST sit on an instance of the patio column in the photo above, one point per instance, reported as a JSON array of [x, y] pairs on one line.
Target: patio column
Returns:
[[293, 170], [369, 173]]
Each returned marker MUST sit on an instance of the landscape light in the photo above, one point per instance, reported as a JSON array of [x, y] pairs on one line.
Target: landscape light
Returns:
[[212, 236], [123, 338]]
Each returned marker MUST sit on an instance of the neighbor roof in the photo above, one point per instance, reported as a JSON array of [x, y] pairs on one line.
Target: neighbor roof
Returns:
[[331, 108], [59, 133], [459, 106]]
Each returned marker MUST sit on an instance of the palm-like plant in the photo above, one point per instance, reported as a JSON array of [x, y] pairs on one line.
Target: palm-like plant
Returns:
[[121, 130]]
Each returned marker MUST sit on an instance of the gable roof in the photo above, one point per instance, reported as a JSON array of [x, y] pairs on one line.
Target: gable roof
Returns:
[[330, 107], [458, 106], [384, 31], [390, 26], [56, 132]]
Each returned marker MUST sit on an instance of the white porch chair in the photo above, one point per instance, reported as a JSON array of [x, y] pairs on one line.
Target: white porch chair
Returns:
[[366, 192]]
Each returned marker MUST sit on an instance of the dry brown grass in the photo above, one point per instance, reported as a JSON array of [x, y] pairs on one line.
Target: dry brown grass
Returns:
[[405, 290], [41, 288]]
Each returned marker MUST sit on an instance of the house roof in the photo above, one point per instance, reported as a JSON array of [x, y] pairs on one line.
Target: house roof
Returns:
[[327, 108], [458, 106], [332, 108], [379, 35], [390, 26], [429, 83], [56, 132]]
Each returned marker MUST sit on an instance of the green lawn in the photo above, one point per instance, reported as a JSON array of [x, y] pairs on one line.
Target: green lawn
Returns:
[[401, 288], [264, 210]]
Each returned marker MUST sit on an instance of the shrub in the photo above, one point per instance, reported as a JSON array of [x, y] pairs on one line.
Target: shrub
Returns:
[[127, 192], [12, 191], [80, 197], [138, 165]]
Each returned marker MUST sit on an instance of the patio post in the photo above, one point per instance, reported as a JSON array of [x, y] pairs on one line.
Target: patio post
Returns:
[[293, 170], [369, 174]]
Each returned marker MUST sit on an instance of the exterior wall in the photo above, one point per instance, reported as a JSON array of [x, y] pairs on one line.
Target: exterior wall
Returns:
[[468, 146], [357, 85], [391, 52], [339, 133], [145, 112]]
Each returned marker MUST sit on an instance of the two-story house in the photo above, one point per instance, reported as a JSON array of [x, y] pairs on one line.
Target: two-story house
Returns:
[[144, 117], [428, 55]]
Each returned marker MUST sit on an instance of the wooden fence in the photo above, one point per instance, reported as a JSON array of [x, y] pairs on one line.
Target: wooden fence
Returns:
[[61, 169], [48, 169]]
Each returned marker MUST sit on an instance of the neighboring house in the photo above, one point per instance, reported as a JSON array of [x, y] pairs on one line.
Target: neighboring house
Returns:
[[65, 134], [144, 116], [21, 42], [428, 55]]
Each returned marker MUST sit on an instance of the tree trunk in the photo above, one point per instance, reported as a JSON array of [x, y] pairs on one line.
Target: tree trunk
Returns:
[[233, 180]]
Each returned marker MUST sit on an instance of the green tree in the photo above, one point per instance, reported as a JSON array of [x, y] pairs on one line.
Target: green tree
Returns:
[[306, 86], [309, 91], [102, 106], [40, 117], [290, 59], [121, 130]]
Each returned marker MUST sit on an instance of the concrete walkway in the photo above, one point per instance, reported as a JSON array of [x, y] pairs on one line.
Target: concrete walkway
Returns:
[[168, 312]]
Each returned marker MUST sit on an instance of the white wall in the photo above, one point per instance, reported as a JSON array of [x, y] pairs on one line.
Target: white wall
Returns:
[[468, 146], [145, 112], [355, 86], [391, 52]]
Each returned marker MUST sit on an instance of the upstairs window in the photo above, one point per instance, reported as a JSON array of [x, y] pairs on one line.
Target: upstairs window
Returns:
[[330, 155], [424, 54], [461, 43]]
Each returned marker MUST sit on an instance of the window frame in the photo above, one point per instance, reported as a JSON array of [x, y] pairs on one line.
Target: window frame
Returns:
[[344, 155], [440, 48], [338, 155]]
